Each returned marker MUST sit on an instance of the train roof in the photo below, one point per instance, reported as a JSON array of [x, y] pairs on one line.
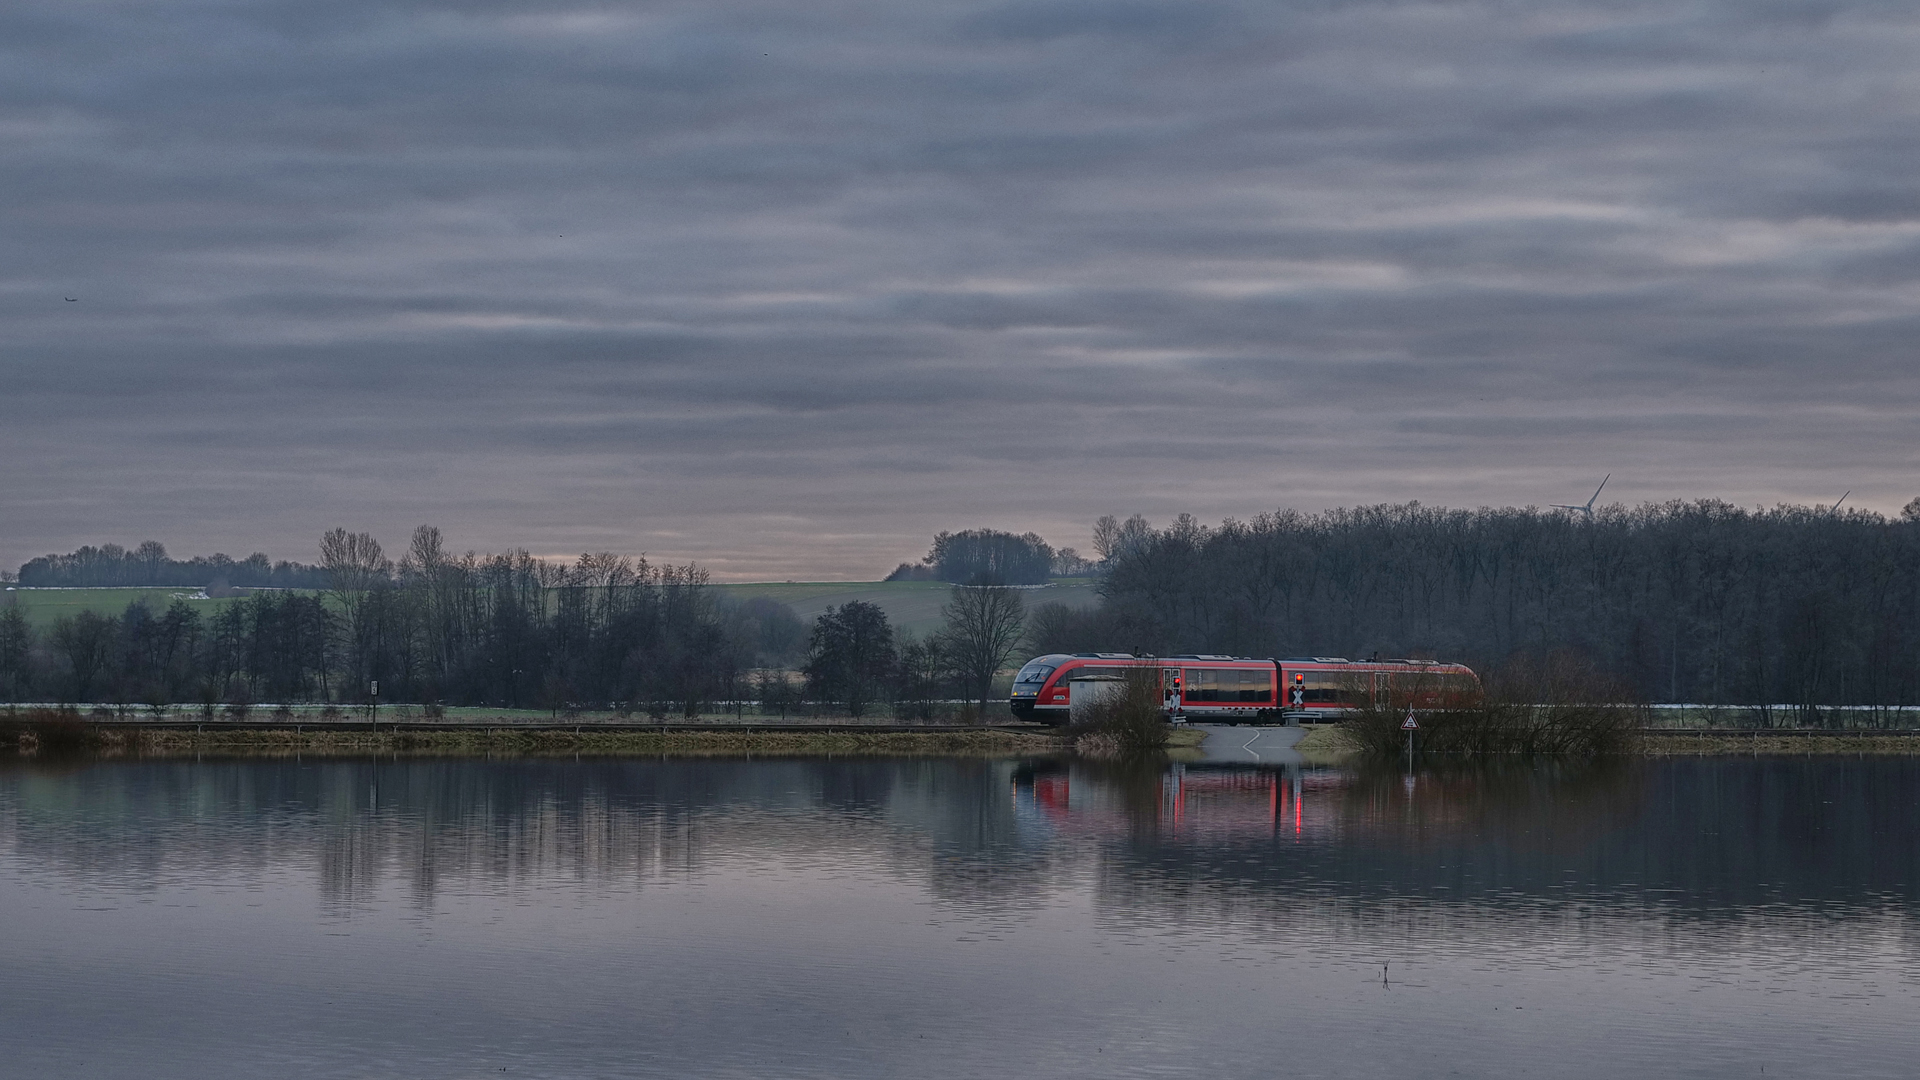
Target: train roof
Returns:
[[1219, 658]]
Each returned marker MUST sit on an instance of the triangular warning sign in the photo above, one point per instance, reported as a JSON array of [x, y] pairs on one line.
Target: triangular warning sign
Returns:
[[1410, 723]]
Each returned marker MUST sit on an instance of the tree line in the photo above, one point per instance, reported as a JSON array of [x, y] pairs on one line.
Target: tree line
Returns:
[[1699, 602], [508, 630], [112, 566], [505, 630], [993, 557]]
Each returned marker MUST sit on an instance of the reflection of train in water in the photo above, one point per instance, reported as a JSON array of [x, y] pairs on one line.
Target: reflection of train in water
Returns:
[[1057, 799], [1241, 688]]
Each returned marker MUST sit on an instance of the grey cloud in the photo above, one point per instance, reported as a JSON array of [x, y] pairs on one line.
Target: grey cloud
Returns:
[[709, 280]]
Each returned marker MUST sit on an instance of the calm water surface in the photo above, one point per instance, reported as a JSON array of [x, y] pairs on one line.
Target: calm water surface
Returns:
[[956, 918]]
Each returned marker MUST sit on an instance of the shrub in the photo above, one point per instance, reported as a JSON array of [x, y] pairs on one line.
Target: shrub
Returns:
[[1127, 723], [49, 731], [1561, 706]]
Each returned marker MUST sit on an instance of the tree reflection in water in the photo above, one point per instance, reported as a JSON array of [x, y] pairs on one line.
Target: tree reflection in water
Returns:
[[947, 917]]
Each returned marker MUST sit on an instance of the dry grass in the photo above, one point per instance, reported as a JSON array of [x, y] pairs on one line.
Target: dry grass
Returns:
[[1127, 724], [1559, 707], [1662, 744], [1325, 743], [48, 731], [62, 734]]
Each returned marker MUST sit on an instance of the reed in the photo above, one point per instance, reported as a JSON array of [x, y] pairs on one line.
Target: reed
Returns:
[[1128, 724], [48, 731], [1558, 706]]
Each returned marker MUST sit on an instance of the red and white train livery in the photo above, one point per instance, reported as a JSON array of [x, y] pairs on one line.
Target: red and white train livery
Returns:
[[1297, 688]]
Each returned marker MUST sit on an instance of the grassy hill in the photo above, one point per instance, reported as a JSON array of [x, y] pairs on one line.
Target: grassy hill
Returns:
[[43, 606], [912, 606]]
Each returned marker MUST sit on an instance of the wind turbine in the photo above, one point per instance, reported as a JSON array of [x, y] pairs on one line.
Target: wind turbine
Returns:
[[1588, 508], [1835, 508]]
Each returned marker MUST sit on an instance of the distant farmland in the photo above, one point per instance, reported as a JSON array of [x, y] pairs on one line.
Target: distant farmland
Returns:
[[43, 606], [912, 606]]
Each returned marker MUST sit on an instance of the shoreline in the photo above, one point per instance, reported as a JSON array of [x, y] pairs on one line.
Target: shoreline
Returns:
[[145, 742], [1784, 743], [1322, 745]]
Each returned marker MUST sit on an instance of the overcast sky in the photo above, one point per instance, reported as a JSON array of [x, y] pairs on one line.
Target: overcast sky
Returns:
[[786, 287]]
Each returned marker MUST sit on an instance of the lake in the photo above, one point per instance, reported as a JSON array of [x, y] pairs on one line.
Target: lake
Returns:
[[732, 917]]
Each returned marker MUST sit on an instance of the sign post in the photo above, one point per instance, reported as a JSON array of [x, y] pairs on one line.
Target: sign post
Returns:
[[1410, 725]]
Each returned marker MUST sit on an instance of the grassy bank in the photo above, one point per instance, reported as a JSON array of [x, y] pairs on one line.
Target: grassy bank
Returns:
[[1332, 742], [1667, 744], [55, 736], [540, 742]]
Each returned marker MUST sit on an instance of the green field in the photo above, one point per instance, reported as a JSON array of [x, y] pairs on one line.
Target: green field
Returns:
[[43, 606], [912, 606]]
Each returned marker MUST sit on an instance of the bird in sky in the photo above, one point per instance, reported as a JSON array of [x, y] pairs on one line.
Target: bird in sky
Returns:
[[71, 299]]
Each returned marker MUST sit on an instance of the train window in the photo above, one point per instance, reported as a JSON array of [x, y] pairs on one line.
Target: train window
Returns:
[[1035, 672], [1336, 688], [1229, 684], [1256, 686], [1089, 672], [1202, 684]]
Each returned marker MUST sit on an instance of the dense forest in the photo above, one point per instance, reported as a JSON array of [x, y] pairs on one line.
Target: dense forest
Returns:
[[1689, 602]]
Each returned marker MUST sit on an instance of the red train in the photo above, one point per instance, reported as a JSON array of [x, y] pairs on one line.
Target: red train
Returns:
[[1242, 688]]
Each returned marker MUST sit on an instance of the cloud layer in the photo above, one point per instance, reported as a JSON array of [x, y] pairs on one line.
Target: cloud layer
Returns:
[[786, 288]]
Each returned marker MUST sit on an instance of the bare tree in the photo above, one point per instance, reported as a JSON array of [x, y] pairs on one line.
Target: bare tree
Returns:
[[925, 671], [85, 642], [15, 641], [984, 625], [152, 557], [353, 561], [1106, 537], [1114, 539], [355, 565]]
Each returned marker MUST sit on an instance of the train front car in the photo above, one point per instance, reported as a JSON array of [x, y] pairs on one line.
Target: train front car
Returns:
[[1028, 683], [1040, 689], [1196, 687]]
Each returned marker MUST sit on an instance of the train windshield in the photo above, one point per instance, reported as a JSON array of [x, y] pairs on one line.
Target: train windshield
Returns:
[[1035, 672]]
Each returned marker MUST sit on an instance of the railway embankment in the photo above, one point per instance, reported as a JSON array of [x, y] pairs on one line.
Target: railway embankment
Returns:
[[50, 732]]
